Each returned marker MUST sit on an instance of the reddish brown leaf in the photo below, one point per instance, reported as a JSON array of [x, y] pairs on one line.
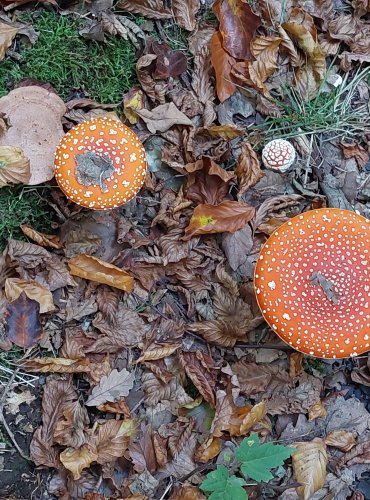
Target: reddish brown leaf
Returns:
[[222, 63], [112, 439], [228, 216], [238, 25], [248, 169], [23, 326], [356, 151], [142, 452], [199, 368], [169, 62], [186, 492]]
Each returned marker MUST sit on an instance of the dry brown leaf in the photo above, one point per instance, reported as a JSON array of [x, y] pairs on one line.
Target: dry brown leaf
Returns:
[[56, 365], [208, 450], [70, 430], [57, 394], [23, 325], [112, 439], [111, 388], [186, 492], [153, 9], [255, 415], [248, 170], [7, 34], [228, 216], [45, 240], [222, 63], [309, 466], [108, 301], [295, 364], [163, 117], [158, 352], [199, 367], [185, 13], [142, 452], [265, 50], [343, 440], [356, 151], [155, 391], [317, 410], [94, 269], [360, 454], [77, 460], [15, 286], [15, 167]]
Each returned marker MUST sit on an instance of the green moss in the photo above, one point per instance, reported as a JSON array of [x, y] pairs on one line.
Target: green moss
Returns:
[[102, 71], [22, 205]]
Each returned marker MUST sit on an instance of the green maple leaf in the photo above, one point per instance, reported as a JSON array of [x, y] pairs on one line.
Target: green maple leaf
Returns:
[[223, 486], [257, 460]]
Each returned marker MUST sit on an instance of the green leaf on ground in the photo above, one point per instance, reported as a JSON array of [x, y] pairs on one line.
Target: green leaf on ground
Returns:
[[223, 486]]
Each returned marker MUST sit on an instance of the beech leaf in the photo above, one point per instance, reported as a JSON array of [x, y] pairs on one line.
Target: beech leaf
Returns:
[[15, 286], [111, 387], [163, 117], [185, 13], [7, 34], [309, 466], [23, 326], [153, 9], [222, 63]]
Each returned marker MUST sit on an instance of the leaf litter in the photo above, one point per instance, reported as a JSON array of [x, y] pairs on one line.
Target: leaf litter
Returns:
[[142, 325]]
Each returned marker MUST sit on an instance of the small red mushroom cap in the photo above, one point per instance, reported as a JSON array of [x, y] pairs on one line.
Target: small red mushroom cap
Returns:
[[278, 154], [312, 283]]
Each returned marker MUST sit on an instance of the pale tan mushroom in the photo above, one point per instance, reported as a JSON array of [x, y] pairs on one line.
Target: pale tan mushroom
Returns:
[[34, 117]]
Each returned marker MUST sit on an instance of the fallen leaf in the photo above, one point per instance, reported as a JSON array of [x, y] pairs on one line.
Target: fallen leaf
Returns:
[[343, 440], [186, 492], [185, 13], [265, 50], [238, 25], [237, 246], [222, 63], [168, 62], [142, 452], [7, 34], [77, 460], [183, 463], [163, 117], [208, 450], [57, 393], [228, 216], [153, 9], [14, 166], [134, 99], [94, 269], [156, 391], [295, 364], [317, 410], [70, 430], [158, 352], [200, 369], [360, 454], [15, 286], [112, 439], [356, 151], [23, 326], [111, 388], [309, 466], [45, 240], [255, 415], [248, 169], [15, 399], [56, 365]]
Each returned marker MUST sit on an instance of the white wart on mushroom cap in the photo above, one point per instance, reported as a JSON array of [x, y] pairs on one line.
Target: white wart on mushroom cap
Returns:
[[279, 155], [312, 283]]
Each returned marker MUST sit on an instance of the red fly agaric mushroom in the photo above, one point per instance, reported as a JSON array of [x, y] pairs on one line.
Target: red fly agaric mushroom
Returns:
[[312, 283], [278, 154], [100, 164]]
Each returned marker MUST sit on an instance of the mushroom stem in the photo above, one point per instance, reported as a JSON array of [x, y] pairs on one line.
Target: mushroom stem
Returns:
[[92, 168], [317, 278]]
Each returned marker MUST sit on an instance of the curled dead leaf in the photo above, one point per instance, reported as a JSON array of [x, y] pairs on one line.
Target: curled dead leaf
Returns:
[[343, 440], [111, 387], [112, 439], [153, 9], [7, 34], [360, 454], [309, 466], [208, 450], [94, 269], [248, 170], [317, 410], [163, 117], [45, 240], [158, 352], [56, 365], [14, 166], [185, 13], [75, 460], [15, 286]]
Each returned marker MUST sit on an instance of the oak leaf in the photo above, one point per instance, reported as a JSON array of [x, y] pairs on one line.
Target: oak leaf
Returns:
[[94, 269], [309, 466], [15, 286], [228, 216], [111, 387], [15, 167], [23, 326]]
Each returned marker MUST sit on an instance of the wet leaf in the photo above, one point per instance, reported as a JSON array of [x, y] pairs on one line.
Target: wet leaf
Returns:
[[94, 269], [15, 286], [163, 117], [185, 13], [238, 25], [14, 166], [77, 460], [309, 466], [23, 326], [222, 63], [153, 9], [7, 34], [45, 240], [343, 440], [228, 216], [111, 387], [248, 170]]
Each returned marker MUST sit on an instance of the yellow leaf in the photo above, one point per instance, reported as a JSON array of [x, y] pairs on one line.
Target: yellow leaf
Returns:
[[133, 100], [343, 440], [15, 286], [225, 131], [7, 33], [208, 450], [77, 460], [309, 466], [255, 415], [317, 410], [15, 167], [94, 269]]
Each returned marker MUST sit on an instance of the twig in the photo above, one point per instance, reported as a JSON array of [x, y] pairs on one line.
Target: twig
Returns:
[[4, 422], [170, 484]]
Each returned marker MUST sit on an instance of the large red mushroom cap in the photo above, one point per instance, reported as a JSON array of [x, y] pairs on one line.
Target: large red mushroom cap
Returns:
[[312, 283]]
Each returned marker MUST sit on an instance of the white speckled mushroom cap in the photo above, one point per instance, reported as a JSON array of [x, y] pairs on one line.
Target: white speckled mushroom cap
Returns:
[[279, 155], [312, 283]]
